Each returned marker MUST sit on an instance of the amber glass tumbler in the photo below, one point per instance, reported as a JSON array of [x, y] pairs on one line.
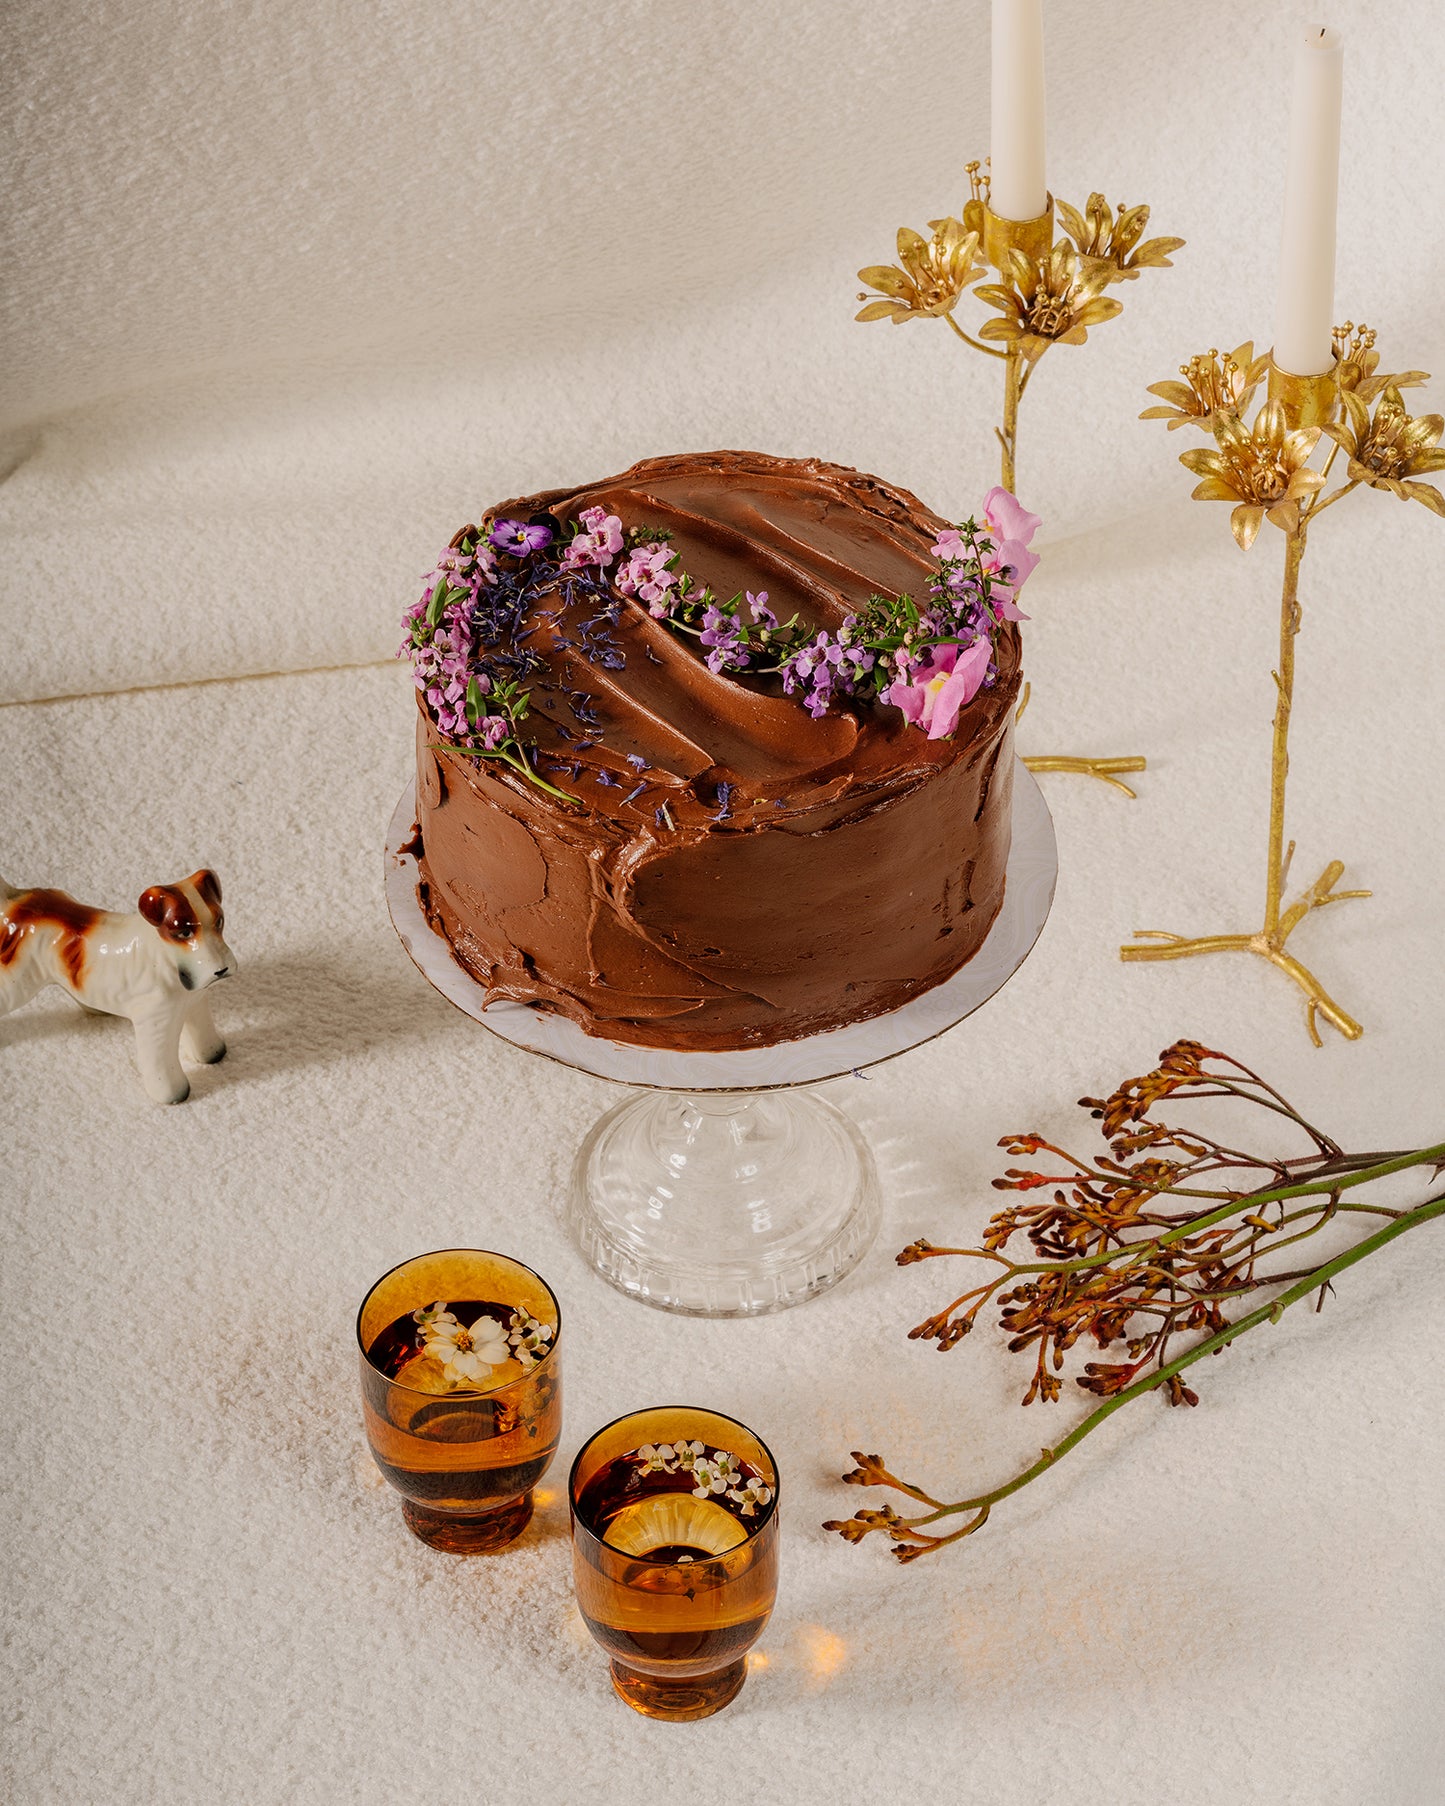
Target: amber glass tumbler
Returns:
[[675, 1554], [461, 1387]]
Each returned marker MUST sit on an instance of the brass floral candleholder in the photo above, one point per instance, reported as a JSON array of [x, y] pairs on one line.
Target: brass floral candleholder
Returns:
[[1264, 471], [1050, 293]]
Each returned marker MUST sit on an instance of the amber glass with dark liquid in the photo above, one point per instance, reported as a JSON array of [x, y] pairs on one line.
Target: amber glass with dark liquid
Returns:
[[464, 1458], [674, 1587]]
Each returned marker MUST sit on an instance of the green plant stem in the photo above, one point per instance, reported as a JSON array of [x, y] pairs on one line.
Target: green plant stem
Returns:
[[1192, 1225], [1267, 1313], [506, 758]]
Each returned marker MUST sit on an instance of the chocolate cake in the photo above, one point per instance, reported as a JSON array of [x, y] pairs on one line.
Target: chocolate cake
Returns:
[[690, 824]]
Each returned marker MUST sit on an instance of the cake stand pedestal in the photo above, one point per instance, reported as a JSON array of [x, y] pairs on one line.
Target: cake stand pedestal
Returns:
[[728, 1188]]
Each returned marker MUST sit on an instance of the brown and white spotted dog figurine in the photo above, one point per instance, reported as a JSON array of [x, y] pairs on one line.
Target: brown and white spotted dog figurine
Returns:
[[152, 967]]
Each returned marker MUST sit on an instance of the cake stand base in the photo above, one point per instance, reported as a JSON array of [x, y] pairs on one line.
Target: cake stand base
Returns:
[[724, 1204]]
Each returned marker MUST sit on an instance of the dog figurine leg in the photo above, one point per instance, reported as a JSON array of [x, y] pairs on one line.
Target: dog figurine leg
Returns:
[[18, 984], [157, 1050], [200, 1039]]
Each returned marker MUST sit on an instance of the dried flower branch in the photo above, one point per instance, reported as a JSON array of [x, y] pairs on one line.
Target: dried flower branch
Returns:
[[1119, 1265]]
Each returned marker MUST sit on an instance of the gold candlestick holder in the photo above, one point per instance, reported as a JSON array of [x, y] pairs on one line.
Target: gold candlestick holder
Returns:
[[1049, 293], [1264, 471]]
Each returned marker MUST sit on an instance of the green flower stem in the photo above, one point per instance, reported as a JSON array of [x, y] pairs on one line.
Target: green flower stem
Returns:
[[1267, 1313], [521, 765], [1127, 1252], [517, 763], [1192, 1225]]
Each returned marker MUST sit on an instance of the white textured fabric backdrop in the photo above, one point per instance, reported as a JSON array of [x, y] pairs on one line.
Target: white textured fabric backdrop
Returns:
[[292, 292]]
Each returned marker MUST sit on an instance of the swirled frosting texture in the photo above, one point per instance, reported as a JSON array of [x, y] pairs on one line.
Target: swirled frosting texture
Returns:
[[737, 873]]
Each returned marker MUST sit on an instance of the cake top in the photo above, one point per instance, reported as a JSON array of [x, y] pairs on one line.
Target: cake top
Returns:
[[701, 630]]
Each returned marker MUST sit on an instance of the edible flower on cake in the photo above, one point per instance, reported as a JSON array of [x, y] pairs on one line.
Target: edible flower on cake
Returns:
[[468, 636], [945, 682]]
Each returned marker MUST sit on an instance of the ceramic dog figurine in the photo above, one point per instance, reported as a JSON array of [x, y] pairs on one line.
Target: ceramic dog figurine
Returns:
[[152, 967]]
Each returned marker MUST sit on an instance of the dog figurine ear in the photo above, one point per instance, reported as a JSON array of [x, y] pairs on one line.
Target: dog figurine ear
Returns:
[[154, 904], [207, 887]]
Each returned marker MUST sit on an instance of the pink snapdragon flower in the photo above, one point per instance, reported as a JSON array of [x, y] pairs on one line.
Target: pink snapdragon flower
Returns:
[[940, 685], [598, 543], [1012, 528], [644, 574], [1007, 517]]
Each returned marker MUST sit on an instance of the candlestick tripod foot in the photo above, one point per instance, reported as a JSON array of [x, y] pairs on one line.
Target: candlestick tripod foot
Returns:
[[1102, 769], [1269, 944]]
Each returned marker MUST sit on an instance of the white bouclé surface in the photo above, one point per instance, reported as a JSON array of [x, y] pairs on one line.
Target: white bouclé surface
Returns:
[[271, 343]]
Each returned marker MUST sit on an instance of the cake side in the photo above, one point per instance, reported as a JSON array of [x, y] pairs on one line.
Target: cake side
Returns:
[[728, 869], [769, 931]]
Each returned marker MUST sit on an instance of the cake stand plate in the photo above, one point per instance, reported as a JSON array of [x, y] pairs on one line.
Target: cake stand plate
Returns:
[[724, 1189]]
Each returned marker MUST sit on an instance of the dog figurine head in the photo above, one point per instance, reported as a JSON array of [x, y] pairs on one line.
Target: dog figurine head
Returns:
[[189, 919]]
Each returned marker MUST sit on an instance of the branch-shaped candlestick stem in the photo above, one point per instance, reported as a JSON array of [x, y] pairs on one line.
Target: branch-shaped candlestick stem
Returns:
[[1048, 293], [1032, 242], [1265, 471]]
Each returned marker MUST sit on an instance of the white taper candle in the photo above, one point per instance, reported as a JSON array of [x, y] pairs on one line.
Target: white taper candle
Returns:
[[1016, 150], [1304, 317]]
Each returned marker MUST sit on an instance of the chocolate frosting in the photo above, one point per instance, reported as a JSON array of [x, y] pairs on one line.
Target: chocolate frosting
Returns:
[[735, 872]]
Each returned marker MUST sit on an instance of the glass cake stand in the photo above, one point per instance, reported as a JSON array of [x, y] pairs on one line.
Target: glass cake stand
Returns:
[[725, 1187]]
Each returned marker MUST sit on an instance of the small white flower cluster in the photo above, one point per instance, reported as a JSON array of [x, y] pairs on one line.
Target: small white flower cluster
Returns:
[[528, 1338], [718, 1472], [468, 1353]]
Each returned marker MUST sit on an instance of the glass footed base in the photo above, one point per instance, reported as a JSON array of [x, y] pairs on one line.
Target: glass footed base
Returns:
[[480, 1533], [724, 1204], [679, 1700]]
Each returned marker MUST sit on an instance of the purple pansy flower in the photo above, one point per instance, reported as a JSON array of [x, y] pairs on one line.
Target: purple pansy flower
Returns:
[[520, 538]]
